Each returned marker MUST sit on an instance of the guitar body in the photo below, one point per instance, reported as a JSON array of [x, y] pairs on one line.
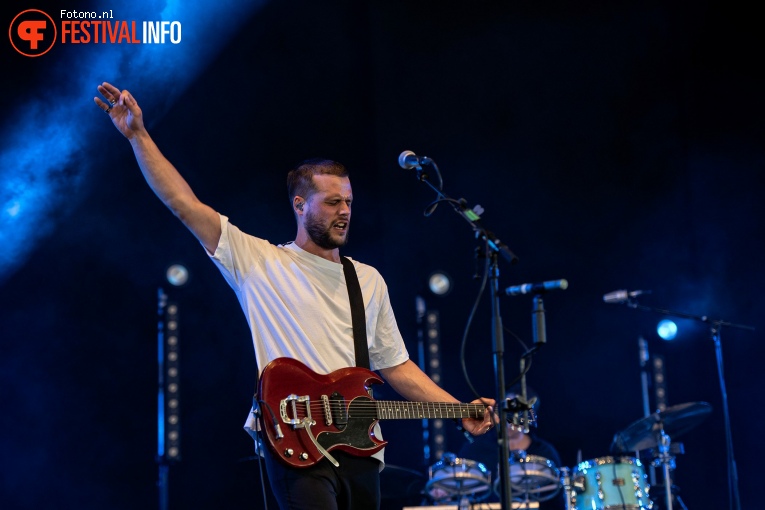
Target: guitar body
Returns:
[[336, 407]]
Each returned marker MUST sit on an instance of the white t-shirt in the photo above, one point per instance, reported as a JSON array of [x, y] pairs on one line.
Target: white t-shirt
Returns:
[[297, 305]]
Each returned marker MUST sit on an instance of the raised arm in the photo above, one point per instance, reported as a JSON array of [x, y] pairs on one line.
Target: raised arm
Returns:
[[163, 178], [413, 384]]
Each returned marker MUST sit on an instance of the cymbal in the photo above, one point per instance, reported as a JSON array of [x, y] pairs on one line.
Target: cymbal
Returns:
[[646, 432]]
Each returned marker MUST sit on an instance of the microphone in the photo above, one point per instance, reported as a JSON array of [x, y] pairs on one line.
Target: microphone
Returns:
[[536, 288], [622, 296], [408, 160]]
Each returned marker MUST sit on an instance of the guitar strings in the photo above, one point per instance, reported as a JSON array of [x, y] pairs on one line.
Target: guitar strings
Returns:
[[376, 408]]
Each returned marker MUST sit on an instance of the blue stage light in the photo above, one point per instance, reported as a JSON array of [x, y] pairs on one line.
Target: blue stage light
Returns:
[[667, 329]]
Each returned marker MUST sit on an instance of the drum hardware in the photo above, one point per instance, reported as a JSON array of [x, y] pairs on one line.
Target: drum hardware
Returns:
[[453, 479], [666, 461], [675, 448], [570, 486], [654, 431]]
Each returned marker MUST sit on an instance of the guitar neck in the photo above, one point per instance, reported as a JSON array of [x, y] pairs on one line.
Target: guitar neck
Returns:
[[403, 410]]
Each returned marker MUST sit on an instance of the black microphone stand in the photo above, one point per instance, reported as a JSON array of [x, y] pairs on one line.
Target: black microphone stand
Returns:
[[716, 326], [495, 247]]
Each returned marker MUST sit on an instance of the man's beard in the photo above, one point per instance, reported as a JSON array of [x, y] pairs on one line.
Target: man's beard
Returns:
[[321, 236]]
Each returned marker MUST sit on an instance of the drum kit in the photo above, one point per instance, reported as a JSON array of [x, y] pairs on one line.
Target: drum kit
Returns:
[[605, 483]]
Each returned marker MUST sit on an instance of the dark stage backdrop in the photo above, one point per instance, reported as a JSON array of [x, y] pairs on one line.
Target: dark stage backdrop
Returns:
[[618, 145]]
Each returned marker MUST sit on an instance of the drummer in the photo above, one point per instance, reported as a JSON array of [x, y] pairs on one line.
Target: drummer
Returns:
[[483, 449]]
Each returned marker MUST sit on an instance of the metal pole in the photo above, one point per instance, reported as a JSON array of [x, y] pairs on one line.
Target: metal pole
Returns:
[[499, 370]]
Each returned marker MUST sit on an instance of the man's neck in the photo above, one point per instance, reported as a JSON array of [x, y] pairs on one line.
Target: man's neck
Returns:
[[305, 242]]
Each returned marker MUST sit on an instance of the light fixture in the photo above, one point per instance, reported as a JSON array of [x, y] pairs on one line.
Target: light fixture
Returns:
[[439, 283], [177, 275], [667, 329]]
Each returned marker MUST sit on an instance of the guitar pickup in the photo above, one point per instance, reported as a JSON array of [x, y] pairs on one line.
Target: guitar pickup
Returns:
[[295, 403], [327, 410], [339, 410]]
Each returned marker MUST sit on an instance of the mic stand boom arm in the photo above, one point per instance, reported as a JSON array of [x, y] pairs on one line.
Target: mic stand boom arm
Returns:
[[472, 216], [716, 323]]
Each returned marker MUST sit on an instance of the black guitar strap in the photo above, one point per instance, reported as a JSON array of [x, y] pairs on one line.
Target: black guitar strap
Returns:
[[358, 317]]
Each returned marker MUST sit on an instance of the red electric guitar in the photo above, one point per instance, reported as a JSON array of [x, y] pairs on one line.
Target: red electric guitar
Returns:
[[306, 415]]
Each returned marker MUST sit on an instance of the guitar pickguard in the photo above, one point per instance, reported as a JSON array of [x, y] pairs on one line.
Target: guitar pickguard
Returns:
[[355, 434]]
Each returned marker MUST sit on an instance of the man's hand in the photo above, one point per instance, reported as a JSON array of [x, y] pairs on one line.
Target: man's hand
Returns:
[[122, 108], [478, 427]]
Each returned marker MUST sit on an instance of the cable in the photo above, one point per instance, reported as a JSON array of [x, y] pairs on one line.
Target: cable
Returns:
[[259, 445], [260, 468], [481, 290], [526, 356]]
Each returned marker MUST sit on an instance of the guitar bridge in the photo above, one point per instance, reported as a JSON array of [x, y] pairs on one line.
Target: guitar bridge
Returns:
[[327, 410], [291, 404]]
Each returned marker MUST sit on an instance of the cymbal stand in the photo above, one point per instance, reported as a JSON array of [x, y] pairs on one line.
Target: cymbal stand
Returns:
[[526, 503], [667, 461]]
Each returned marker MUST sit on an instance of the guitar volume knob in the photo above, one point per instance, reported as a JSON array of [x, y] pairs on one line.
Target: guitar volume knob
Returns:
[[288, 452], [304, 456]]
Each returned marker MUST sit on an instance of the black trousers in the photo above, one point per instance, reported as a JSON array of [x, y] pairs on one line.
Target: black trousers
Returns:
[[354, 485]]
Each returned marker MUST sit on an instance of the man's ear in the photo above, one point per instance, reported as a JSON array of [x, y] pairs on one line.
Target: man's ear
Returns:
[[299, 202]]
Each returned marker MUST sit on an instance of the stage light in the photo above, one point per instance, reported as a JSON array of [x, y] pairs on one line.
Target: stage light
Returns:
[[168, 397], [177, 275], [439, 283], [435, 442], [667, 329]]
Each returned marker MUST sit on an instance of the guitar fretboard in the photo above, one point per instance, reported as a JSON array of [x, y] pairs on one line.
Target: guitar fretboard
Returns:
[[426, 410]]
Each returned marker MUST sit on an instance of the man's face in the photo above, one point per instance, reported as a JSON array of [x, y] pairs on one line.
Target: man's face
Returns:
[[328, 211]]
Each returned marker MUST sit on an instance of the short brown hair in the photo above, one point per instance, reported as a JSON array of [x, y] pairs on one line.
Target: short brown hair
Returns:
[[300, 179]]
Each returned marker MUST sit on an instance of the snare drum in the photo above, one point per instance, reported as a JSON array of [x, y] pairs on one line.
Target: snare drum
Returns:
[[611, 483], [532, 478], [453, 478]]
